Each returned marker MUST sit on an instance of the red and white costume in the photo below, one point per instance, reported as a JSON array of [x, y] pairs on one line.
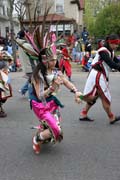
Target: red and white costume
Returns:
[[98, 80]]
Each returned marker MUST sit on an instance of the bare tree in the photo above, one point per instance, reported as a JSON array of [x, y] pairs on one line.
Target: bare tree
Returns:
[[11, 3], [21, 11], [37, 11]]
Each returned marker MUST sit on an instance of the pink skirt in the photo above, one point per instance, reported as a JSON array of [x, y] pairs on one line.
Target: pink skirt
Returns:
[[44, 113]]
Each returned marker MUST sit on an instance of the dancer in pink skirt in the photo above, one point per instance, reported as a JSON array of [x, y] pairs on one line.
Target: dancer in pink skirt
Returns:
[[46, 81]]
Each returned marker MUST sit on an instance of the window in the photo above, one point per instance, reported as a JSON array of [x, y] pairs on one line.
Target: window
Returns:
[[59, 5], [8, 11], [1, 10]]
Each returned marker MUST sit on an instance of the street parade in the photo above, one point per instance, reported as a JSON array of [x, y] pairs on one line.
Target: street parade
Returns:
[[59, 90]]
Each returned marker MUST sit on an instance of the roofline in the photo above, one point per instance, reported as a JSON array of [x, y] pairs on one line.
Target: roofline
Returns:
[[60, 20]]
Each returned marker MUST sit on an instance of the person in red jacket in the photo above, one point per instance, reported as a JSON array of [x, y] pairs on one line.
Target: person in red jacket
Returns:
[[64, 64]]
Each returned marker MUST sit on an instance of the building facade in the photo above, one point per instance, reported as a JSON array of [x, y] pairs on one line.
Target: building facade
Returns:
[[71, 10], [4, 19]]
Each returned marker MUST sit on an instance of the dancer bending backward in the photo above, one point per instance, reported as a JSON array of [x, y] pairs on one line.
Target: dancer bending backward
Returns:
[[45, 81], [98, 78]]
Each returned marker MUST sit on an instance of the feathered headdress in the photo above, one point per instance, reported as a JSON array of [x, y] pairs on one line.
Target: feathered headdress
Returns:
[[38, 42]]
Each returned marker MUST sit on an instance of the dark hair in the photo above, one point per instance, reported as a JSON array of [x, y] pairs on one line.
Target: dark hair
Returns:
[[2, 40], [21, 34], [42, 68], [112, 37]]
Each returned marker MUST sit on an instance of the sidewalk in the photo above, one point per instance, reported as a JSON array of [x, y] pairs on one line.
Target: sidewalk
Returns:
[[76, 68]]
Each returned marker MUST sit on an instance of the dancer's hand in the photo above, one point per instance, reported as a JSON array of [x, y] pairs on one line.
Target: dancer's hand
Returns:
[[56, 83], [58, 80], [78, 96]]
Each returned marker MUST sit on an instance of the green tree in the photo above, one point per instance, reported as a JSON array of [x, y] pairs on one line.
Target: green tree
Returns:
[[93, 9], [108, 20]]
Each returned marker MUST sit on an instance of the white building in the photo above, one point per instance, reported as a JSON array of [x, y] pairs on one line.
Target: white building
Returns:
[[4, 19]]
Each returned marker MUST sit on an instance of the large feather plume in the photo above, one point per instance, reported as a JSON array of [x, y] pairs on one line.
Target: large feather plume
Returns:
[[38, 40]]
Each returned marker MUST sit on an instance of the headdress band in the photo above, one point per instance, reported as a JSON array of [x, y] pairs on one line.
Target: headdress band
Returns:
[[114, 41]]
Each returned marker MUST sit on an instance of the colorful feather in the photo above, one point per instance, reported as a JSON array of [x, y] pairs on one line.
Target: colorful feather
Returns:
[[27, 47], [35, 39], [29, 38], [38, 40]]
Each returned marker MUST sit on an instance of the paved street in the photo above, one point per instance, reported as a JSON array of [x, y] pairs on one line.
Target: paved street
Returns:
[[89, 151]]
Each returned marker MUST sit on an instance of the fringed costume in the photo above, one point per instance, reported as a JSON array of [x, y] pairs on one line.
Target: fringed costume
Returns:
[[42, 48], [5, 87]]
